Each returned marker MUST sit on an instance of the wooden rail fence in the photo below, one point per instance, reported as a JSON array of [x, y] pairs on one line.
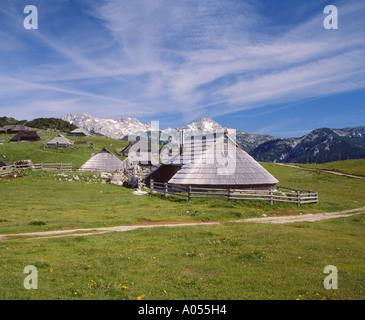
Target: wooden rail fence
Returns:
[[281, 194], [36, 166]]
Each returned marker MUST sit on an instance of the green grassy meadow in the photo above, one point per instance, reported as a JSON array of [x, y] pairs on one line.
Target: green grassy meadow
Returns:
[[226, 261], [354, 167], [58, 203], [36, 152]]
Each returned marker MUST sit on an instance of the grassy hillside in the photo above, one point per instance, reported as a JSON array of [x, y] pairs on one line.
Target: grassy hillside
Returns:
[[355, 167], [231, 261], [40, 123], [228, 261], [51, 123], [46, 197], [36, 152], [8, 120]]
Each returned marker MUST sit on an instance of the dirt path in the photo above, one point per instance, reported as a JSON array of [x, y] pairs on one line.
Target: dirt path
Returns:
[[307, 217], [93, 231], [320, 170]]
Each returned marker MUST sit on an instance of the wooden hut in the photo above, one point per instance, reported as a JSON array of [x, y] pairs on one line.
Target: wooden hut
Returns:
[[79, 132], [12, 129], [141, 153], [184, 153], [103, 161], [235, 170], [162, 173], [59, 141], [125, 151], [25, 136]]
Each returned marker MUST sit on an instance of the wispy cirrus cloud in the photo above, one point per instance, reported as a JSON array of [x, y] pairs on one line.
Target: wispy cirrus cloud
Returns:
[[180, 58], [224, 59]]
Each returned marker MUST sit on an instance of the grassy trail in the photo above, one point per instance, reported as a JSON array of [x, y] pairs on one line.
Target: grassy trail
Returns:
[[93, 231], [355, 167], [321, 170]]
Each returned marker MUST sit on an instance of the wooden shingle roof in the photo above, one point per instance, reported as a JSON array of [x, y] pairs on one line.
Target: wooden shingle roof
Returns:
[[12, 128], [25, 136], [60, 140], [103, 161], [80, 131], [233, 168]]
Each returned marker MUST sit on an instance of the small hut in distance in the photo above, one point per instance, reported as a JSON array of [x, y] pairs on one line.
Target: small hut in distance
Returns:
[[79, 132], [12, 129], [125, 151], [104, 161], [59, 141], [25, 136]]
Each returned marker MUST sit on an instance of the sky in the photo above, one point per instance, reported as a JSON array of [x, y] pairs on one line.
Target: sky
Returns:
[[260, 66]]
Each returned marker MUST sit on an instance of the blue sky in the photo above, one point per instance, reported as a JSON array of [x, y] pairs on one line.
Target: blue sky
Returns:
[[264, 66]]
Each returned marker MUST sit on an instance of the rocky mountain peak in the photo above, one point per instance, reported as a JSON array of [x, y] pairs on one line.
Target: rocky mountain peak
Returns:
[[204, 124]]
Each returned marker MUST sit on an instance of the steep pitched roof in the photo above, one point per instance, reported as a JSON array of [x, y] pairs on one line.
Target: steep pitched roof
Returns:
[[25, 136], [127, 148], [103, 161], [236, 168], [60, 140], [12, 128], [80, 131]]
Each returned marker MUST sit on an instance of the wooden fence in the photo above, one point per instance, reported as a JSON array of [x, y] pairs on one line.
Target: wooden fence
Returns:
[[281, 194], [36, 166]]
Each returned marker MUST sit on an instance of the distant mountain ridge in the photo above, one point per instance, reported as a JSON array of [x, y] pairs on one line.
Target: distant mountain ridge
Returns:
[[109, 127], [120, 128], [319, 146]]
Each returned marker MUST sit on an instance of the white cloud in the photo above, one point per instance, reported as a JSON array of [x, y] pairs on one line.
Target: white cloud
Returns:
[[319, 78], [153, 57], [300, 63]]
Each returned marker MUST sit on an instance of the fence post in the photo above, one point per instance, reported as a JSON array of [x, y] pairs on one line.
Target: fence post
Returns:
[[189, 194], [298, 198], [229, 195], [313, 195], [271, 197], [165, 189], [61, 166], [41, 165], [151, 185]]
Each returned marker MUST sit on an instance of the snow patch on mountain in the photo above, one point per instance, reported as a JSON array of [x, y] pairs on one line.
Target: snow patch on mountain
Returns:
[[119, 128], [204, 125], [109, 127]]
